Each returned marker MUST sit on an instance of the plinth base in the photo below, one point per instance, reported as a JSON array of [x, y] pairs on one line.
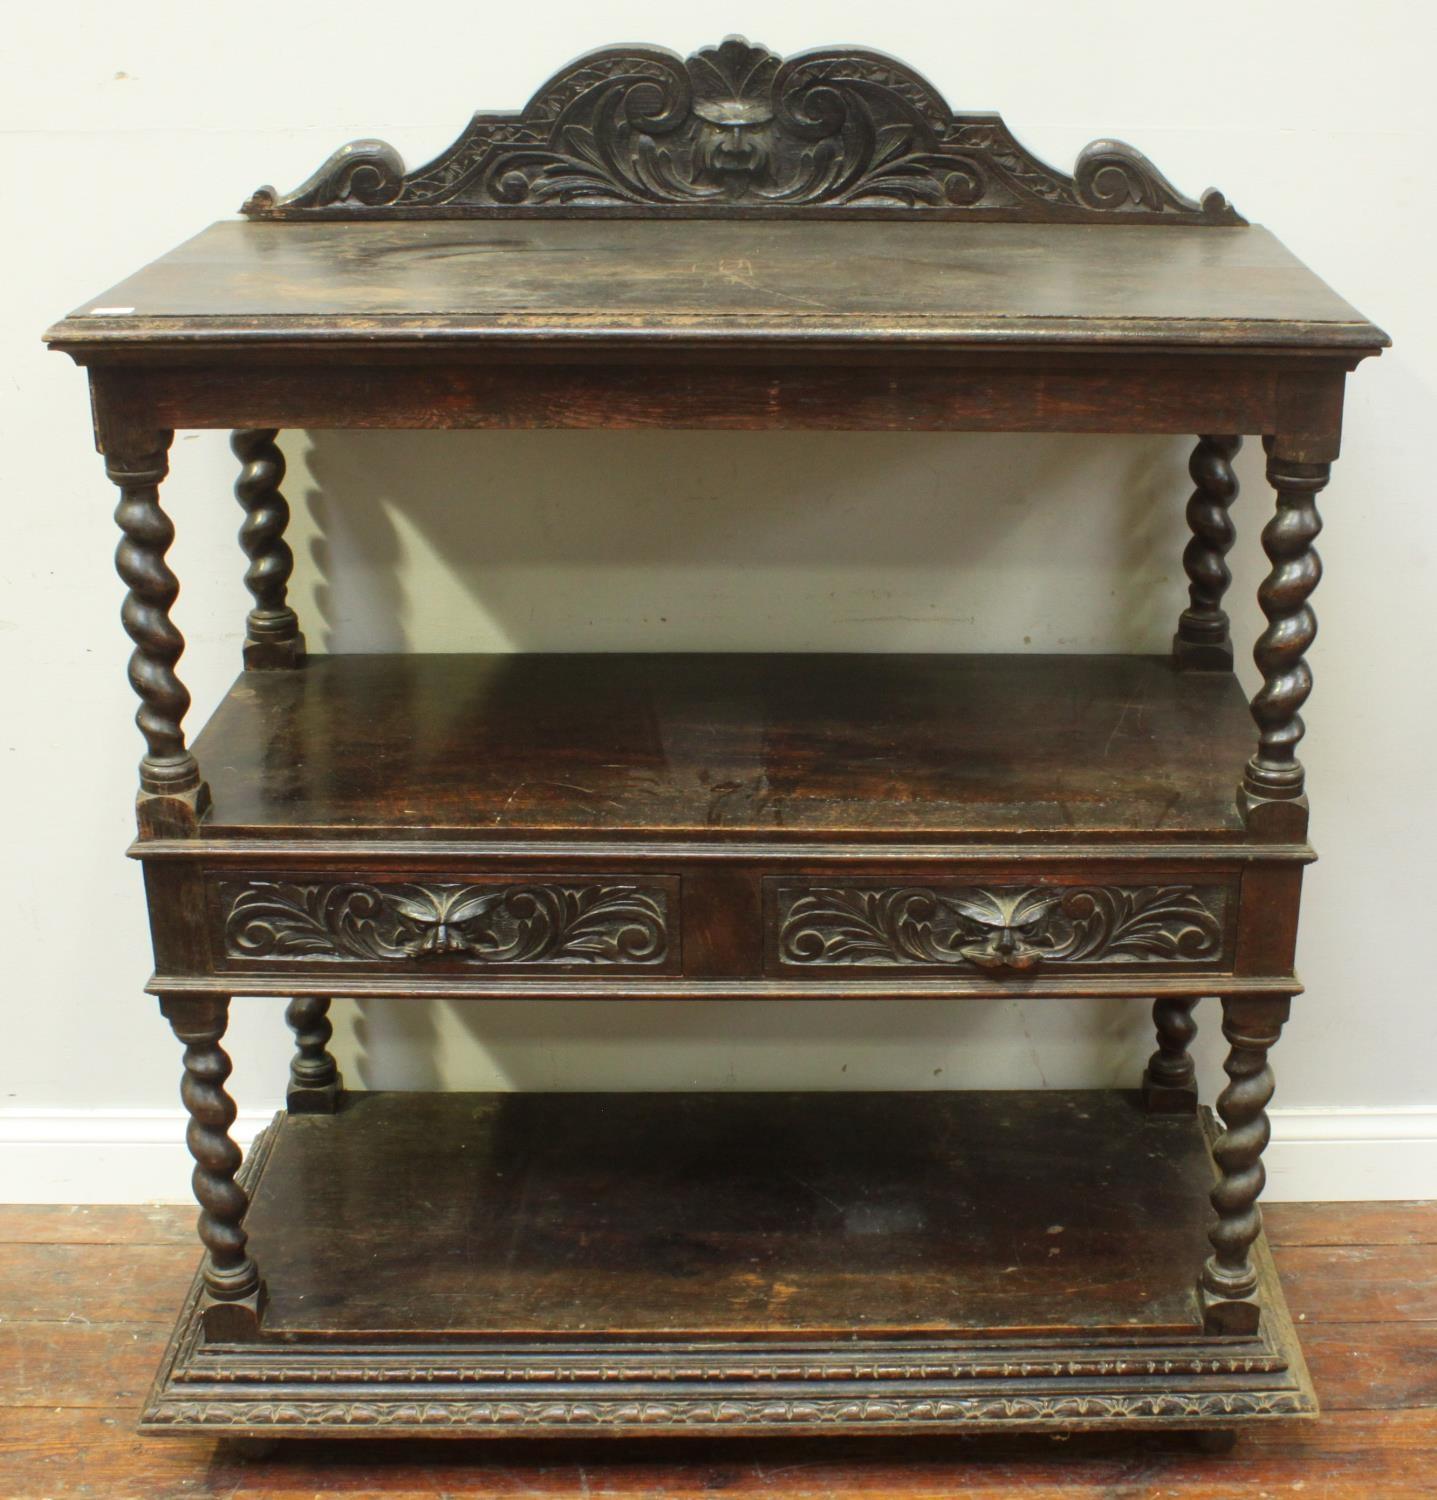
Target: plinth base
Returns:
[[666, 1263]]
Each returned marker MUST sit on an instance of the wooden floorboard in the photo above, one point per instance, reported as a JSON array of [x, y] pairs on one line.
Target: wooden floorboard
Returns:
[[87, 1296], [55, 1454], [1359, 1283], [1413, 1223], [96, 1224]]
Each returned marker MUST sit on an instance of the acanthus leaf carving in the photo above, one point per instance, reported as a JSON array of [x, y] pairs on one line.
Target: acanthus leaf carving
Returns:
[[589, 924], [1013, 929], [736, 130]]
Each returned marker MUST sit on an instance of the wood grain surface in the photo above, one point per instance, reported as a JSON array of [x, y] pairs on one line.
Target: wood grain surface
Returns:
[[962, 283], [71, 1384], [712, 745], [627, 1215]]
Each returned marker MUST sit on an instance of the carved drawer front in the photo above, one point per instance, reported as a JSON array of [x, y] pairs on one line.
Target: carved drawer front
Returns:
[[816, 925], [584, 924]]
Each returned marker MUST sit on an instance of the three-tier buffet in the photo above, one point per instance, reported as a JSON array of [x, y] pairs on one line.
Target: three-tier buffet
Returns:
[[728, 241]]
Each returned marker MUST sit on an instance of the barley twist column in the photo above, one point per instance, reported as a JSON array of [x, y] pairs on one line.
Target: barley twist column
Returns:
[[1170, 1082], [273, 637], [234, 1292], [1202, 641], [172, 796], [1274, 774], [1229, 1285], [314, 1081]]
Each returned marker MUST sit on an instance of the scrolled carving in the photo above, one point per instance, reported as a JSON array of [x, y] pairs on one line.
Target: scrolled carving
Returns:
[[594, 924], [1114, 178], [362, 173], [1011, 930], [736, 130]]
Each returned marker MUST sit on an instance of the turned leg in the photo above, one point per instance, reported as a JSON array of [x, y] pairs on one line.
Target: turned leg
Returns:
[[1251, 1024], [1202, 642], [314, 1081], [1170, 1082], [172, 796], [234, 1293], [1272, 795], [272, 637]]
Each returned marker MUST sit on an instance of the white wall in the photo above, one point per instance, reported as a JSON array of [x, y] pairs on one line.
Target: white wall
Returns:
[[126, 128]]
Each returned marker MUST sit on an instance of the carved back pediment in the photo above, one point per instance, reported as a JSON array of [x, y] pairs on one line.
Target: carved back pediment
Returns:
[[736, 131]]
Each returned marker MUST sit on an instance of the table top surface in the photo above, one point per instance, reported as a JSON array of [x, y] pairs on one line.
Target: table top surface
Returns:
[[601, 281]]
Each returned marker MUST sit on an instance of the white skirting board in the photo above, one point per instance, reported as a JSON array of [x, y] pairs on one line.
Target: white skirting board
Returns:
[[139, 1156]]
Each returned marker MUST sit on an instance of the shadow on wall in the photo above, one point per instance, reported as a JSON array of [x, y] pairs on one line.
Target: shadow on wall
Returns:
[[611, 541], [740, 541]]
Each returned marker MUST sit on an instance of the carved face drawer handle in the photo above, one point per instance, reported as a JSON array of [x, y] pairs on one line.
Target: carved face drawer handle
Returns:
[[999, 929], [1014, 925]]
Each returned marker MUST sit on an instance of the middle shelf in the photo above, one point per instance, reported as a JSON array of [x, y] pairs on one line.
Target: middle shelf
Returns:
[[668, 826], [784, 747]]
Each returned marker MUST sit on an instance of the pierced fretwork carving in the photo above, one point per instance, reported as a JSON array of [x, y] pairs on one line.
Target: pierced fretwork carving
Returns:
[[1012, 930], [737, 130], [1202, 640], [597, 924], [272, 637], [172, 795], [1274, 774], [1229, 1284], [233, 1289]]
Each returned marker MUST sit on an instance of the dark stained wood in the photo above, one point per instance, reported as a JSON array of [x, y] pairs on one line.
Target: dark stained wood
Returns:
[[314, 1081], [68, 1393], [938, 284], [1251, 1024], [668, 745], [1170, 1079], [650, 1264], [171, 797], [667, 1215], [739, 387], [728, 827], [1202, 642], [272, 637], [233, 1288], [1274, 776], [736, 131]]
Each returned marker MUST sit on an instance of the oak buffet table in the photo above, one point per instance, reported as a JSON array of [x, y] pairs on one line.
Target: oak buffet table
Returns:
[[728, 241]]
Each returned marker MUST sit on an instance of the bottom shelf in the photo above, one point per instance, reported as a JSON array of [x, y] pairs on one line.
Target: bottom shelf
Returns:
[[751, 1262]]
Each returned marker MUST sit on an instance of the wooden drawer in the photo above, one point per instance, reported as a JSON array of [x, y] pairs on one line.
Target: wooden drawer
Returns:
[[815, 925], [742, 927], [504, 924]]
